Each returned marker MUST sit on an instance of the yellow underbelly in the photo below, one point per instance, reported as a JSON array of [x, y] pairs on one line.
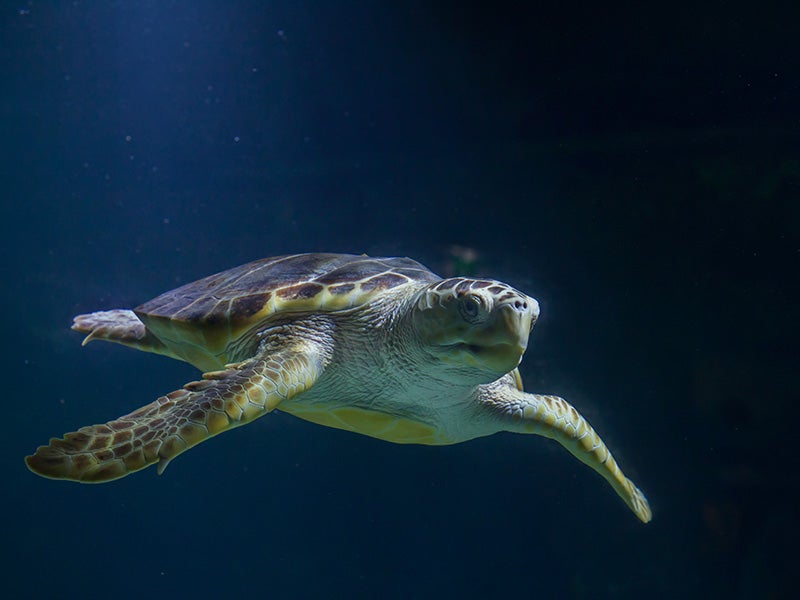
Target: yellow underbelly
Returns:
[[375, 424]]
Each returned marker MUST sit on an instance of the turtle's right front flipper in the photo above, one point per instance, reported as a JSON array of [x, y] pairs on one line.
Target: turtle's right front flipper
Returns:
[[158, 432]]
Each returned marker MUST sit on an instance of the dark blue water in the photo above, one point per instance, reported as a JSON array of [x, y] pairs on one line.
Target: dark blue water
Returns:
[[637, 171]]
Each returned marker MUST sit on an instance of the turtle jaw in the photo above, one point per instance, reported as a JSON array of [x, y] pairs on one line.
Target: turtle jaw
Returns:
[[498, 347], [489, 343], [497, 359]]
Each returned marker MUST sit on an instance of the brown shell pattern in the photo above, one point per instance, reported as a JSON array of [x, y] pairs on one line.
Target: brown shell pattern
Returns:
[[295, 283]]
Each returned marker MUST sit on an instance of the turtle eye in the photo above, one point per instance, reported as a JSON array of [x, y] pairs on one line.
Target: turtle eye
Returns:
[[471, 308]]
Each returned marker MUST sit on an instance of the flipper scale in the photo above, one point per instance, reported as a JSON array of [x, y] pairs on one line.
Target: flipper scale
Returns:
[[555, 418], [159, 431]]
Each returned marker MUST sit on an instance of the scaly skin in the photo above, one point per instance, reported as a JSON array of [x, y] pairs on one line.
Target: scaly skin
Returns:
[[555, 418], [161, 430]]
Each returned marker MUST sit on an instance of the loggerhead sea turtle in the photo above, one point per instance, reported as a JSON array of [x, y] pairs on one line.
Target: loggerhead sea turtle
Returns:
[[378, 346]]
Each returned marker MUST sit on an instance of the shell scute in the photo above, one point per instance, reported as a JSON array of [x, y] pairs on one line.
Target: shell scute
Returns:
[[342, 288], [383, 281], [247, 306], [301, 291]]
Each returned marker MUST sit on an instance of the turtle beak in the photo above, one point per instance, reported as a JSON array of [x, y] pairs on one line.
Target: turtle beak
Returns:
[[509, 334], [519, 316]]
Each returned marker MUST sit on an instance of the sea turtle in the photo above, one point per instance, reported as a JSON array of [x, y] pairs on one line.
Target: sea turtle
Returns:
[[378, 346]]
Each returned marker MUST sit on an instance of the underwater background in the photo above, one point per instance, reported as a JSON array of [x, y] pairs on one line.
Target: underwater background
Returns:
[[636, 168]]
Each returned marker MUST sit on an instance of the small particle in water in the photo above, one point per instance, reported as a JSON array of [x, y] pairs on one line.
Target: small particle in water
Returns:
[[128, 138], [166, 220], [236, 139]]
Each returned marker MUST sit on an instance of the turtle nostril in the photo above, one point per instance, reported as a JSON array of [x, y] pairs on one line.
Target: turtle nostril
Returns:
[[518, 304]]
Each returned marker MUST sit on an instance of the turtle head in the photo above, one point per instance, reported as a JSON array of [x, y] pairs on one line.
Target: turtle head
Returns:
[[478, 326]]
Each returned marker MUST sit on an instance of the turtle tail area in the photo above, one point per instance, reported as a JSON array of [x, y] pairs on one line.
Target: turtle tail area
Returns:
[[158, 432]]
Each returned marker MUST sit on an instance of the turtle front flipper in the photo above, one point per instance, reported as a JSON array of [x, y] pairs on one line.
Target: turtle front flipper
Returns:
[[158, 432], [555, 418]]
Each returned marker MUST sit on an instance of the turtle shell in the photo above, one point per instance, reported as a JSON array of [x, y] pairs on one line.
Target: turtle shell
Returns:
[[215, 311]]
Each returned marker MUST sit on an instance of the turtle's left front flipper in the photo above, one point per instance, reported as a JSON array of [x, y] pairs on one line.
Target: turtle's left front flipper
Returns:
[[158, 432], [555, 418]]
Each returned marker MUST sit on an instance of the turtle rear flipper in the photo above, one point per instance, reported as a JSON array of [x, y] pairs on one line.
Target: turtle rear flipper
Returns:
[[120, 326], [158, 432]]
